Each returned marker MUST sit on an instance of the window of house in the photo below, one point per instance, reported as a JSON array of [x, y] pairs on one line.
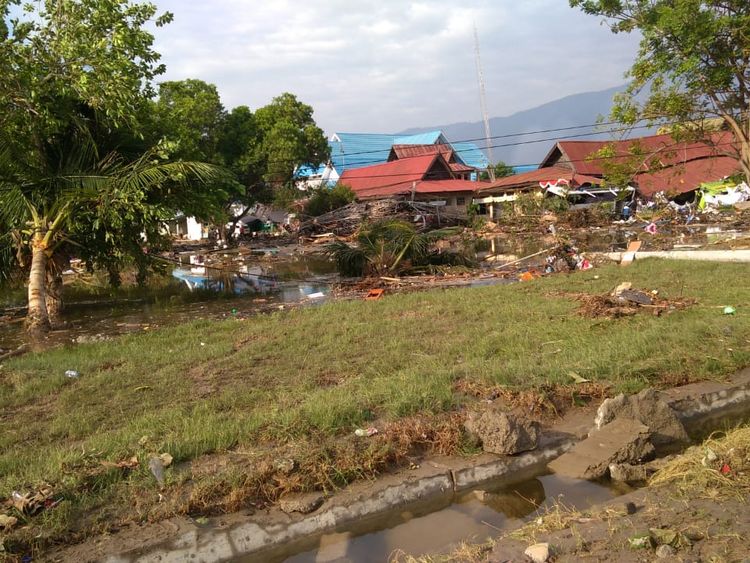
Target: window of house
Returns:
[[460, 201]]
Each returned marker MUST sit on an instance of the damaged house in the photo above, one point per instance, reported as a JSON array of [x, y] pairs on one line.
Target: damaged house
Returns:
[[660, 164], [426, 177]]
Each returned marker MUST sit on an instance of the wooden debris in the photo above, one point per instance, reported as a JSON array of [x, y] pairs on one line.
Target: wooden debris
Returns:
[[346, 220]]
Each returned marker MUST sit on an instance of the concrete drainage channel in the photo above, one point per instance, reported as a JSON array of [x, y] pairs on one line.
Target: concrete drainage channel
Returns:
[[365, 507]]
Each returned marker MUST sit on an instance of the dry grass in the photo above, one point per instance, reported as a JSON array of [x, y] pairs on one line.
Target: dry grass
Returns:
[[464, 553], [718, 468], [558, 516]]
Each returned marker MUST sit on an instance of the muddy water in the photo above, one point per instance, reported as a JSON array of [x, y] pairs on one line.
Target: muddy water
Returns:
[[438, 527], [250, 284]]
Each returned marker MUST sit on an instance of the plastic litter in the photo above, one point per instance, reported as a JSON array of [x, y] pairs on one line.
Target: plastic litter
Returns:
[[651, 228], [316, 295], [156, 466], [729, 310], [72, 374], [361, 432]]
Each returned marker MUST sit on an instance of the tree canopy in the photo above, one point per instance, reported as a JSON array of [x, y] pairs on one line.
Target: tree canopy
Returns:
[[693, 64], [75, 82]]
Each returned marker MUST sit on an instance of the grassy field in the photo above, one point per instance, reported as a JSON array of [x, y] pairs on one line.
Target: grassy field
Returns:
[[226, 399]]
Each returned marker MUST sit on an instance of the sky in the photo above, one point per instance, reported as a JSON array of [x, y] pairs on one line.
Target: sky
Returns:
[[386, 65]]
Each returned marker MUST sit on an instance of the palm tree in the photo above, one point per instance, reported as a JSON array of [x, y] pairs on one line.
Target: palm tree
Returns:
[[41, 198], [387, 247]]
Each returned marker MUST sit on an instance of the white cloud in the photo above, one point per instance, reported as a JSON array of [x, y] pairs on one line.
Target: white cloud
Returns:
[[385, 65]]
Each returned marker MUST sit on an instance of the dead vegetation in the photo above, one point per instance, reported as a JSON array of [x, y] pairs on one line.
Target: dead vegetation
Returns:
[[717, 469], [547, 401], [613, 306]]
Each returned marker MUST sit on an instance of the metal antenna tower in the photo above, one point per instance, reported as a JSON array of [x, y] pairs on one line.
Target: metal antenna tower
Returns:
[[483, 105]]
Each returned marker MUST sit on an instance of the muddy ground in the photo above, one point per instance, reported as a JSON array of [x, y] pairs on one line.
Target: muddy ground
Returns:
[[704, 530]]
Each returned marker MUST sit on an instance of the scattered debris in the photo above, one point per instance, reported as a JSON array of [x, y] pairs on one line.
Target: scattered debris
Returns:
[[665, 551], [627, 473], [623, 440], [625, 302], [302, 503], [538, 553], [729, 310], [7, 522], [285, 466], [130, 463], [156, 466], [72, 374], [346, 220], [501, 433], [33, 503], [361, 432], [651, 228], [629, 255], [374, 294]]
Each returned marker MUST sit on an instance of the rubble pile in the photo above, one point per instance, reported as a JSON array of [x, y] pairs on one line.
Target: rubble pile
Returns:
[[346, 220]]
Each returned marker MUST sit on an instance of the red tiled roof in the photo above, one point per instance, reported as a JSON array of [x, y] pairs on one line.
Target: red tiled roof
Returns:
[[687, 176], [422, 187], [532, 178]]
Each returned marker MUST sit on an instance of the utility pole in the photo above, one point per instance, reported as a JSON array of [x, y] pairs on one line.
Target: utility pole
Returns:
[[483, 105]]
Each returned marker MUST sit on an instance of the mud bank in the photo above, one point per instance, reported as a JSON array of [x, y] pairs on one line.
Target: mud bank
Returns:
[[701, 407]]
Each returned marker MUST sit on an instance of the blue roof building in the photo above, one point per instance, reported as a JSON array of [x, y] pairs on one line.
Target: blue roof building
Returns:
[[357, 150]]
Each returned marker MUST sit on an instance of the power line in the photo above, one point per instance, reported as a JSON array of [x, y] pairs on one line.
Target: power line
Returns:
[[588, 159]]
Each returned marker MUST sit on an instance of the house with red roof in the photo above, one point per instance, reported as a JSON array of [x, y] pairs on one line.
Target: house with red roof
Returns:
[[423, 176], [664, 165]]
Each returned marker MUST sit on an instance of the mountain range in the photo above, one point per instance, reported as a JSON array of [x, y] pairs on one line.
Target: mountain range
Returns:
[[519, 139]]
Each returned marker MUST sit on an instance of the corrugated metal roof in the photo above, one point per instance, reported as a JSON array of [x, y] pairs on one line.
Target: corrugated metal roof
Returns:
[[664, 148], [445, 150], [532, 179], [429, 138], [471, 155], [422, 187], [391, 174], [686, 177], [355, 150]]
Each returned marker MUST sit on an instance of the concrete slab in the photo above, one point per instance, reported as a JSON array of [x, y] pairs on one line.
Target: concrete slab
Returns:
[[623, 440]]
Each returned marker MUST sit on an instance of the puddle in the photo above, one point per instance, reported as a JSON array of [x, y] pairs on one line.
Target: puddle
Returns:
[[250, 284], [440, 526]]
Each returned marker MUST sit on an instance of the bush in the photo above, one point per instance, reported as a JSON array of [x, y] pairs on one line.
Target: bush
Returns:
[[326, 199]]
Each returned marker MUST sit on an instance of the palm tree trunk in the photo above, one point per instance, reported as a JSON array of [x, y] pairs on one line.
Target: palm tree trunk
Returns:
[[37, 320], [54, 289]]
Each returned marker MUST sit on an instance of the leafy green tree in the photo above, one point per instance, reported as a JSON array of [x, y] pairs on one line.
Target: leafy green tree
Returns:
[[694, 63], [189, 113], [70, 68], [289, 138], [325, 199], [501, 171]]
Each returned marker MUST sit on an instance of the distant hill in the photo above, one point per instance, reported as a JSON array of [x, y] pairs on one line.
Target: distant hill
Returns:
[[571, 111]]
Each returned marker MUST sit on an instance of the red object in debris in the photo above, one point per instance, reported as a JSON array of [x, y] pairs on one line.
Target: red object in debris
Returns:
[[725, 469], [374, 294]]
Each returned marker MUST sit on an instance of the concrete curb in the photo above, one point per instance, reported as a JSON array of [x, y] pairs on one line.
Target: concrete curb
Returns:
[[698, 406]]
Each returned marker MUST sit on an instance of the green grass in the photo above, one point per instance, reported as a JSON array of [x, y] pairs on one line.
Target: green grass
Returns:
[[303, 378]]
